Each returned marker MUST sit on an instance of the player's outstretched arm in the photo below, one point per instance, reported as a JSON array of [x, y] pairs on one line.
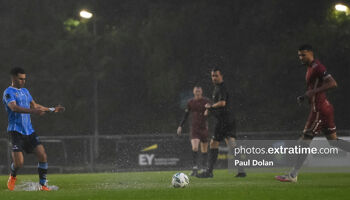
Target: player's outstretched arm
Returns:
[[15, 108], [55, 109], [182, 123], [218, 104]]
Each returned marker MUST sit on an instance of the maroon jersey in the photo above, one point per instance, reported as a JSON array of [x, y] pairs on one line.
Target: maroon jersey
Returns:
[[197, 109], [315, 75], [321, 116]]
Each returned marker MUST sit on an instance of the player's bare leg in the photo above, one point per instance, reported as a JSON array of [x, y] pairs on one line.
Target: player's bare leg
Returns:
[[18, 160], [17, 163], [304, 142], [42, 166], [204, 151], [204, 147], [41, 153], [195, 148]]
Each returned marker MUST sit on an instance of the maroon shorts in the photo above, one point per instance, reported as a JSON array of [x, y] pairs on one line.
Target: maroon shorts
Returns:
[[321, 119], [201, 134]]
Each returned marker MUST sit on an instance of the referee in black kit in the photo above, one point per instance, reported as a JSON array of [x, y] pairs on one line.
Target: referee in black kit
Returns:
[[225, 126]]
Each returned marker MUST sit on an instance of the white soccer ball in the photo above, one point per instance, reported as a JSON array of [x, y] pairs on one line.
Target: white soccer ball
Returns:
[[180, 180]]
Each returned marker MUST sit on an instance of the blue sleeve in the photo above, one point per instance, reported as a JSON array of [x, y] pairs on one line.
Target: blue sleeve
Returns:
[[9, 96]]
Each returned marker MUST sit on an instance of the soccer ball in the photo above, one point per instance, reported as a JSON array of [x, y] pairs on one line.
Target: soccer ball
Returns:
[[180, 180]]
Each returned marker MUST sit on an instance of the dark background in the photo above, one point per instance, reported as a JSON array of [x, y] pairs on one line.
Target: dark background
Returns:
[[147, 55]]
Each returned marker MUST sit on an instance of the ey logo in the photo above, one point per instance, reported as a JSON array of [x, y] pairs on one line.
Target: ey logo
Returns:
[[147, 159]]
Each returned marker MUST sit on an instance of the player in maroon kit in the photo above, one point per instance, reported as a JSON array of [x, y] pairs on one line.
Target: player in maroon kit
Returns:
[[199, 127], [321, 117]]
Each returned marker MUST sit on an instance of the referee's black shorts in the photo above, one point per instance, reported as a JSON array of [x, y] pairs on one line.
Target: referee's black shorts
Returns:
[[224, 128], [26, 143]]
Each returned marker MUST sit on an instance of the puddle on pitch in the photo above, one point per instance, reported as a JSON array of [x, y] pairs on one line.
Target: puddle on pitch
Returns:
[[31, 186]]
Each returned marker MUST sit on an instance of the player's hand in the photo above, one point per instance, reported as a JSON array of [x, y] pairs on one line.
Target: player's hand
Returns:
[[206, 112], [59, 109], [179, 130], [207, 106], [300, 99]]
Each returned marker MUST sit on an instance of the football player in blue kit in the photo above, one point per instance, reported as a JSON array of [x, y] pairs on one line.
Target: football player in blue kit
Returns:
[[19, 105]]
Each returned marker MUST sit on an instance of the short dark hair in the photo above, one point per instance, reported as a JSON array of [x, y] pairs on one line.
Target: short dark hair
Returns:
[[306, 47], [17, 70], [217, 69]]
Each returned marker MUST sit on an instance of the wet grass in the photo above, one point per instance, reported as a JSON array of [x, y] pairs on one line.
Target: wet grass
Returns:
[[156, 185]]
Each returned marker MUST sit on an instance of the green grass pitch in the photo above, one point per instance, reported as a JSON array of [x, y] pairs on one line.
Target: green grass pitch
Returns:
[[156, 185]]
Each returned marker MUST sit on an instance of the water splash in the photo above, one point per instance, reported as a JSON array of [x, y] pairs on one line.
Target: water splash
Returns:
[[32, 186]]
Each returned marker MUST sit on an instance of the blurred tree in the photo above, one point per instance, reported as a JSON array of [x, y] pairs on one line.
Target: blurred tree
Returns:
[[148, 55]]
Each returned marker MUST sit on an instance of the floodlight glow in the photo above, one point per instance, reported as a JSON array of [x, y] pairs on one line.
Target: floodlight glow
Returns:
[[85, 14], [341, 8]]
